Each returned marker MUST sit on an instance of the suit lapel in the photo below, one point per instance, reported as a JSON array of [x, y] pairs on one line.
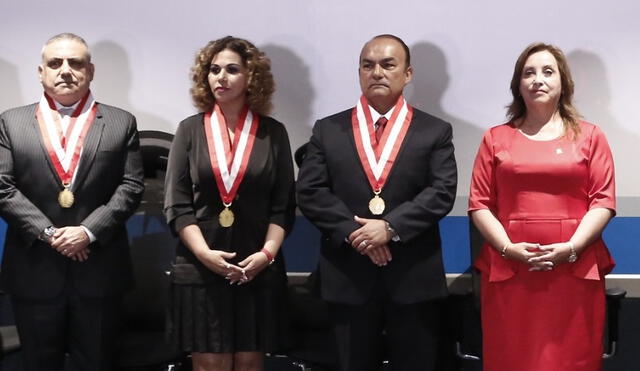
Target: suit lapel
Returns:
[[45, 153], [352, 140], [354, 149], [405, 144], [89, 149]]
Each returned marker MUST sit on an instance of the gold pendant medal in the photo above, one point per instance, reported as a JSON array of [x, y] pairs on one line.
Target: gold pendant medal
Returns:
[[226, 217], [65, 197], [376, 204]]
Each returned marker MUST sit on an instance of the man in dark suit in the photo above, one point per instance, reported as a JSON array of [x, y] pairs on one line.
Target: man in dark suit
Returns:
[[376, 180], [70, 176]]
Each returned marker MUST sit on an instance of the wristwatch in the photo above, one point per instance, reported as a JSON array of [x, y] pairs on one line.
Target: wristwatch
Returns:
[[573, 256], [394, 234], [47, 233]]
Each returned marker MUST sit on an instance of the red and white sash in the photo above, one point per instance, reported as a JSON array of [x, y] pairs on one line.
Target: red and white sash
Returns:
[[229, 162], [377, 160], [64, 149]]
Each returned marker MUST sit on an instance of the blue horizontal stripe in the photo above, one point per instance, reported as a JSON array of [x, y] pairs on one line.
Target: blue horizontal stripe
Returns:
[[302, 247]]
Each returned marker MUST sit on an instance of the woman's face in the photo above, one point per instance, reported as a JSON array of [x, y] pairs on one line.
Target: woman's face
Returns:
[[541, 82], [228, 78]]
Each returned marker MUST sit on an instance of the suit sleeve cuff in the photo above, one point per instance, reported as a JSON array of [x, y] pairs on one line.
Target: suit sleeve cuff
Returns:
[[92, 237], [341, 235]]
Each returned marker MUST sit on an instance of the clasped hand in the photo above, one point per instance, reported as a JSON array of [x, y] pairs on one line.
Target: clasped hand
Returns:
[[71, 242], [372, 239], [243, 272], [539, 257]]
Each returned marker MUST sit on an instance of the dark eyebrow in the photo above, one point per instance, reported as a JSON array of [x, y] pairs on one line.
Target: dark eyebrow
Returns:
[[383, 60], [56, 59], [230, 64]]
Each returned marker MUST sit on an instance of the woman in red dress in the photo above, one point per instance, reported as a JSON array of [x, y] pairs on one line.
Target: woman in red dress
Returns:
[[542, 192]]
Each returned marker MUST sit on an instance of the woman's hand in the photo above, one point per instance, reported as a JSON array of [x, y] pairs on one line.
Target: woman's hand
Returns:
[[216, 261], [555, 253], [527, 253], [251, 266], [258, 261]]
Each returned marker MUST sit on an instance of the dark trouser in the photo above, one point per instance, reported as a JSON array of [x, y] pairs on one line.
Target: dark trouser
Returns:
[[412, 337], [84, 328]]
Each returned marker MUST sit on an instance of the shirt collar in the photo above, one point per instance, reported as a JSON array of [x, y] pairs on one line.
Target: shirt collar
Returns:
[[375, 115], [70, 109]]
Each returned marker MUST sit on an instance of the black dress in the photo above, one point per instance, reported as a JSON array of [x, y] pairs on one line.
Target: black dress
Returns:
[[206, 313]]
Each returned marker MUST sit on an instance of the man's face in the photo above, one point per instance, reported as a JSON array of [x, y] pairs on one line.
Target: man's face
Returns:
[[65, 72], [383, 70]]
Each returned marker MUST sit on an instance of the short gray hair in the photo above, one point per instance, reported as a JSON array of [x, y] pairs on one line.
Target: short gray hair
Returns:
[[66, 36]]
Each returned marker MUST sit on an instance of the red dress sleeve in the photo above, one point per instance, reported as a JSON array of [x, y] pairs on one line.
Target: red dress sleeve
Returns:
[[483, 191], [602, 186], [483, 195]]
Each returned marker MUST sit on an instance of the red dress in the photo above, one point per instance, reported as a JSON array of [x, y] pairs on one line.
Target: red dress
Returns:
[[539, 191]]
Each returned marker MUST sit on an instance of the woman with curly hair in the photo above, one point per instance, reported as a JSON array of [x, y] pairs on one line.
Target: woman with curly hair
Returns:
[[229, 198]]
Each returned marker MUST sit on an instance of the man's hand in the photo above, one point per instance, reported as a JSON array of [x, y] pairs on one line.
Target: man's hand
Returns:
[[71, 242], [380, 256], [371, 239], [372, 234]]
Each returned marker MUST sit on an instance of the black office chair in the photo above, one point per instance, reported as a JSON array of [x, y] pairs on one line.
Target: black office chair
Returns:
[[468, 307], [143, 345], [9, 340], [313, 340]]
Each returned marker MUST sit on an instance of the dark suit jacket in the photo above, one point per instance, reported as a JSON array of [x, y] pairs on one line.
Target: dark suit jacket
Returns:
[[108, 188], [421, 188]]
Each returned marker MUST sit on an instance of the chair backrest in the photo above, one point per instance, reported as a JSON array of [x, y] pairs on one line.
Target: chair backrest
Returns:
[[152, 245]]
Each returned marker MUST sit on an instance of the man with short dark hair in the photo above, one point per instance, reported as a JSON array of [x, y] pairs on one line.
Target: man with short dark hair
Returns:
[[376, 180], [70, 176]]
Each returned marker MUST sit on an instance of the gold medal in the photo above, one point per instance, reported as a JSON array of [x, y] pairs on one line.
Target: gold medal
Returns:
[[376, 204], [226, 217], [66, 198]]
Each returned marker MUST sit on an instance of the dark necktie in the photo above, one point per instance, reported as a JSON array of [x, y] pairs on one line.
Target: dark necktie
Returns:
[[379, 126]]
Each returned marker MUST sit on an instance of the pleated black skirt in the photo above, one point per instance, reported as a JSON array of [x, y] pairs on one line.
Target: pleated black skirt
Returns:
[[223, 318]]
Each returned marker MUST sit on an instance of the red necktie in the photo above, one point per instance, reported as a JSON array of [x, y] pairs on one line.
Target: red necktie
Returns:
[[379, 126]]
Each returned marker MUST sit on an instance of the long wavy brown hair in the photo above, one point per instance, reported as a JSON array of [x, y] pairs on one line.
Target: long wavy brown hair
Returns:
[[260, 83], [569, 114]]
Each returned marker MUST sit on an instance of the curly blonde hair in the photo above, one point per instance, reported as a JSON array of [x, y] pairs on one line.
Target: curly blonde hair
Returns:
[[569, 114], [260, 83]]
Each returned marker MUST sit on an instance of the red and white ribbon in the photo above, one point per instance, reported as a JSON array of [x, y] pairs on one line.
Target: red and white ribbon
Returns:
[[229, 161], [64, 149], [378, 160]]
